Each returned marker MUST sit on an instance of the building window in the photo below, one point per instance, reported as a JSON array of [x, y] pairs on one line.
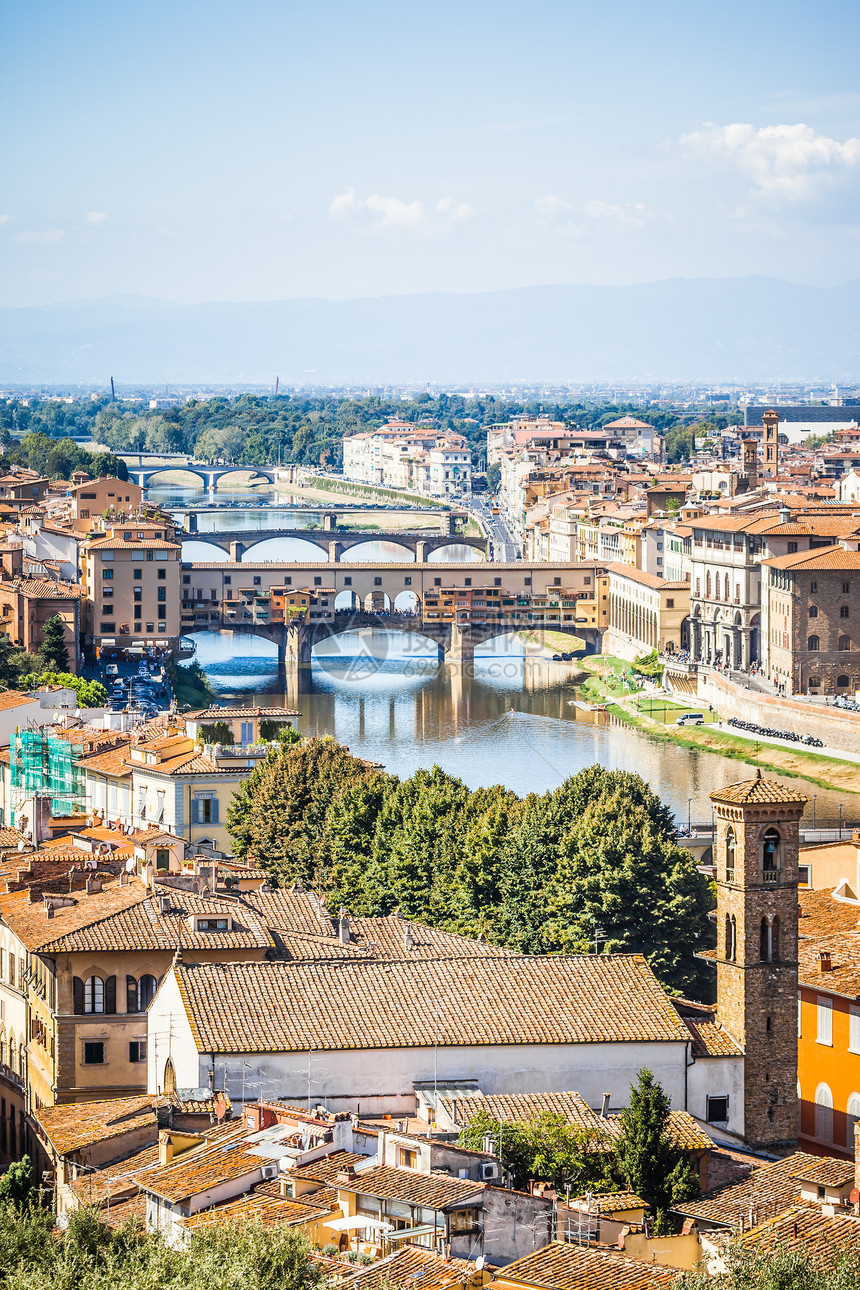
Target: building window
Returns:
[[137, 1050], [377, 582], [844, 611], [162, 574], [94, 994], [186, 577], [718, 1110], [851, 1118], [94, 1053], [730, 854], [769, 942], [823, 1113], [846, 587], [162, 592], [813, 644], [792, 548], [731, 938], [813, 586], [813, 611], [407, 582], [670, 604], [844, 642], [212, 925], [771, 855], [854, 1029], [824, 1019], [107, 574], [347, 582], [204, 810]]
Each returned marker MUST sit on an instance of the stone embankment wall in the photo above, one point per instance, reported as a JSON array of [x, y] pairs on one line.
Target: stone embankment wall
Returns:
[[836, 728]]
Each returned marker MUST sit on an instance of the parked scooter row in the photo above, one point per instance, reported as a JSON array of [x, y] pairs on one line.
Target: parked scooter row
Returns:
[[753, 729]]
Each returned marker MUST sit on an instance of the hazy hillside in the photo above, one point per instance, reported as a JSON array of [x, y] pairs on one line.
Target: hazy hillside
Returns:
[[696, 330]]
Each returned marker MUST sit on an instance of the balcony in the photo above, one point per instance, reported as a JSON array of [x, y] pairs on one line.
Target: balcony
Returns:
[[770, 876]]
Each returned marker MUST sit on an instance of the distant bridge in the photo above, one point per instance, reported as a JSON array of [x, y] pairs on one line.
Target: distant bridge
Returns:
[[210, 476], [237, 541]]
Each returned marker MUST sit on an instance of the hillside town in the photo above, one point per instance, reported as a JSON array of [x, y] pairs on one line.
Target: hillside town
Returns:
[[187, 1041]]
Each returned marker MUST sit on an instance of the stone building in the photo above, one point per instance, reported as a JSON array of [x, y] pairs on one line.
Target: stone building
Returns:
[[811, 619], [757, 845]]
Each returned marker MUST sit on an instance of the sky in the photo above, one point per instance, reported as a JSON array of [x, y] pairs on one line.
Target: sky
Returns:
[[265, 150]]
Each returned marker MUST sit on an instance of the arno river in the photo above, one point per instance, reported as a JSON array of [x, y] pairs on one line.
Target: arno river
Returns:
[[511, 719]]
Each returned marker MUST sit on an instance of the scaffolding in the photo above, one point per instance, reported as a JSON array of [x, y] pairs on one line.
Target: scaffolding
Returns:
[[44, 765]]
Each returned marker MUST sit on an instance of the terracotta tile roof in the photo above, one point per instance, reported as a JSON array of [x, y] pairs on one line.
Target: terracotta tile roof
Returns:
[[203, 1167], [768, 1190], [710, 1040], [327, 1169], [827, 557], [257, 1207], [575, 1267], [832, 927], [411, 1265], [12, 838], [757, 790], [114, 762], [554, 999], [116, 544], [15, 699], [43, 589], [807, 1229], [434, 1191], [31, 924], [117, 1180], [80, 1124], [827, 1171], [647, 579], [134, 1208], [143, 925]]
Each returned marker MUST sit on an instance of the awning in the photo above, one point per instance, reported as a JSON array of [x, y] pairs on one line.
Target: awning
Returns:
[[408, 1233], [355, 1221]]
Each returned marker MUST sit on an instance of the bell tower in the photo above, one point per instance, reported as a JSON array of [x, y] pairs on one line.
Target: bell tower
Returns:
[[756, 848], [770, 421]]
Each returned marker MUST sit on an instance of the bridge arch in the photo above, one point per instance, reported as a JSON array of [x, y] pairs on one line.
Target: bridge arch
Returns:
[[264, 476], [203, 547], [461, 551], [309, 548], [353, 554], [145, 476]]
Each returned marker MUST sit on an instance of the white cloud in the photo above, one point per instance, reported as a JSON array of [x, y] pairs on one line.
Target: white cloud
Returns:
[[381, 212], [589, 217], [95, 217], [42, 236], [5, 219], [784, 162]]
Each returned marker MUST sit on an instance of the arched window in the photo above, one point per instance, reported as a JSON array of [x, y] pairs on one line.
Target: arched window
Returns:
[[169, 1085], [726, 592], [842, 682], [813, 644], [708, 584], [813, 611], [774, 939], [2, 1050], [851, 1119], [823, 1113], [729, 955], [131, 994], [770, 855], [764, 941], [145, 992], [12, 1053], [730, 854], [844, 642], [94, 994]]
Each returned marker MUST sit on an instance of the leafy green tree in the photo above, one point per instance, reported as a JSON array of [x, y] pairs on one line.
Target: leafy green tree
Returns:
[[89, 694], [17, 1185], [494, 476], [546, 1148], [53, 651], [14, 662], [645, 1159], [680, 444], [780, 1268]]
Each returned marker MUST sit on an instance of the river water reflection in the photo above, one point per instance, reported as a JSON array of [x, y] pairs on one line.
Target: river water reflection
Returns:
[[512, 719]]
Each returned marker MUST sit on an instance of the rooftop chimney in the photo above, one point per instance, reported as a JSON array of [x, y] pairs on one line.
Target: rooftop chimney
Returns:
[[784, 515], [604, 1110], [408, 938], [824, 961], [343, 927], [165, 1148]]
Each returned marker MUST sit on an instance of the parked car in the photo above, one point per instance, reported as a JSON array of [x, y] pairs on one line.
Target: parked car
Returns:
[[111, 670], [690, 719]]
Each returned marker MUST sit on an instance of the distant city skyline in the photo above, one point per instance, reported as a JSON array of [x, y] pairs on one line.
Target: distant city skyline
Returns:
[[208, 152]]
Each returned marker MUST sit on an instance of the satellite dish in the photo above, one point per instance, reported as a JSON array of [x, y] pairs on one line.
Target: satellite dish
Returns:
[[854, 1195], [220, 1106], [130, 865], [479, 1263]]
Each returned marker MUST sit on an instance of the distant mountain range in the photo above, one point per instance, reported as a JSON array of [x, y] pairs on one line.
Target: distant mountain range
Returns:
[[692, 330]]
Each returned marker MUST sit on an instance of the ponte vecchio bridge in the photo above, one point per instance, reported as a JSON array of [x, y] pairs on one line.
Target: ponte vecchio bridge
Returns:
[[236, 597]]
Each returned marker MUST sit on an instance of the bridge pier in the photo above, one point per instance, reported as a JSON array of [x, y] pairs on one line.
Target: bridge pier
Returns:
[[294, 656], [461, 649], [448, 526], [237, 550], [189, 524], [329, 521], [420, 551], [335, 551]]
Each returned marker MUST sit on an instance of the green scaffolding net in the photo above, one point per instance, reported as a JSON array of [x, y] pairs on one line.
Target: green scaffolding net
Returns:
[[44, 764]]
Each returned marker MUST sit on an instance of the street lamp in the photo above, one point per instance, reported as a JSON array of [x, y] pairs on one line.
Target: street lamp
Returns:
[[840, 821], [814, 798], [689, 815]]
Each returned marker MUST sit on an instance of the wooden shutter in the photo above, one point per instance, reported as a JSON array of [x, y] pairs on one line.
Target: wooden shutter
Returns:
[[78, 990], [131, 994], [110, 994]]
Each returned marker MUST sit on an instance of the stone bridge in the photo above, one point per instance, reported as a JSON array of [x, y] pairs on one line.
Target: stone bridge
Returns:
[[210, 476], [455, 643], [334, 542]]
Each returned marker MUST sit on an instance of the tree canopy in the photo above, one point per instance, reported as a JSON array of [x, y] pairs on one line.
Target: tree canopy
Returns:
[[645, 1159], [550, 873]]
